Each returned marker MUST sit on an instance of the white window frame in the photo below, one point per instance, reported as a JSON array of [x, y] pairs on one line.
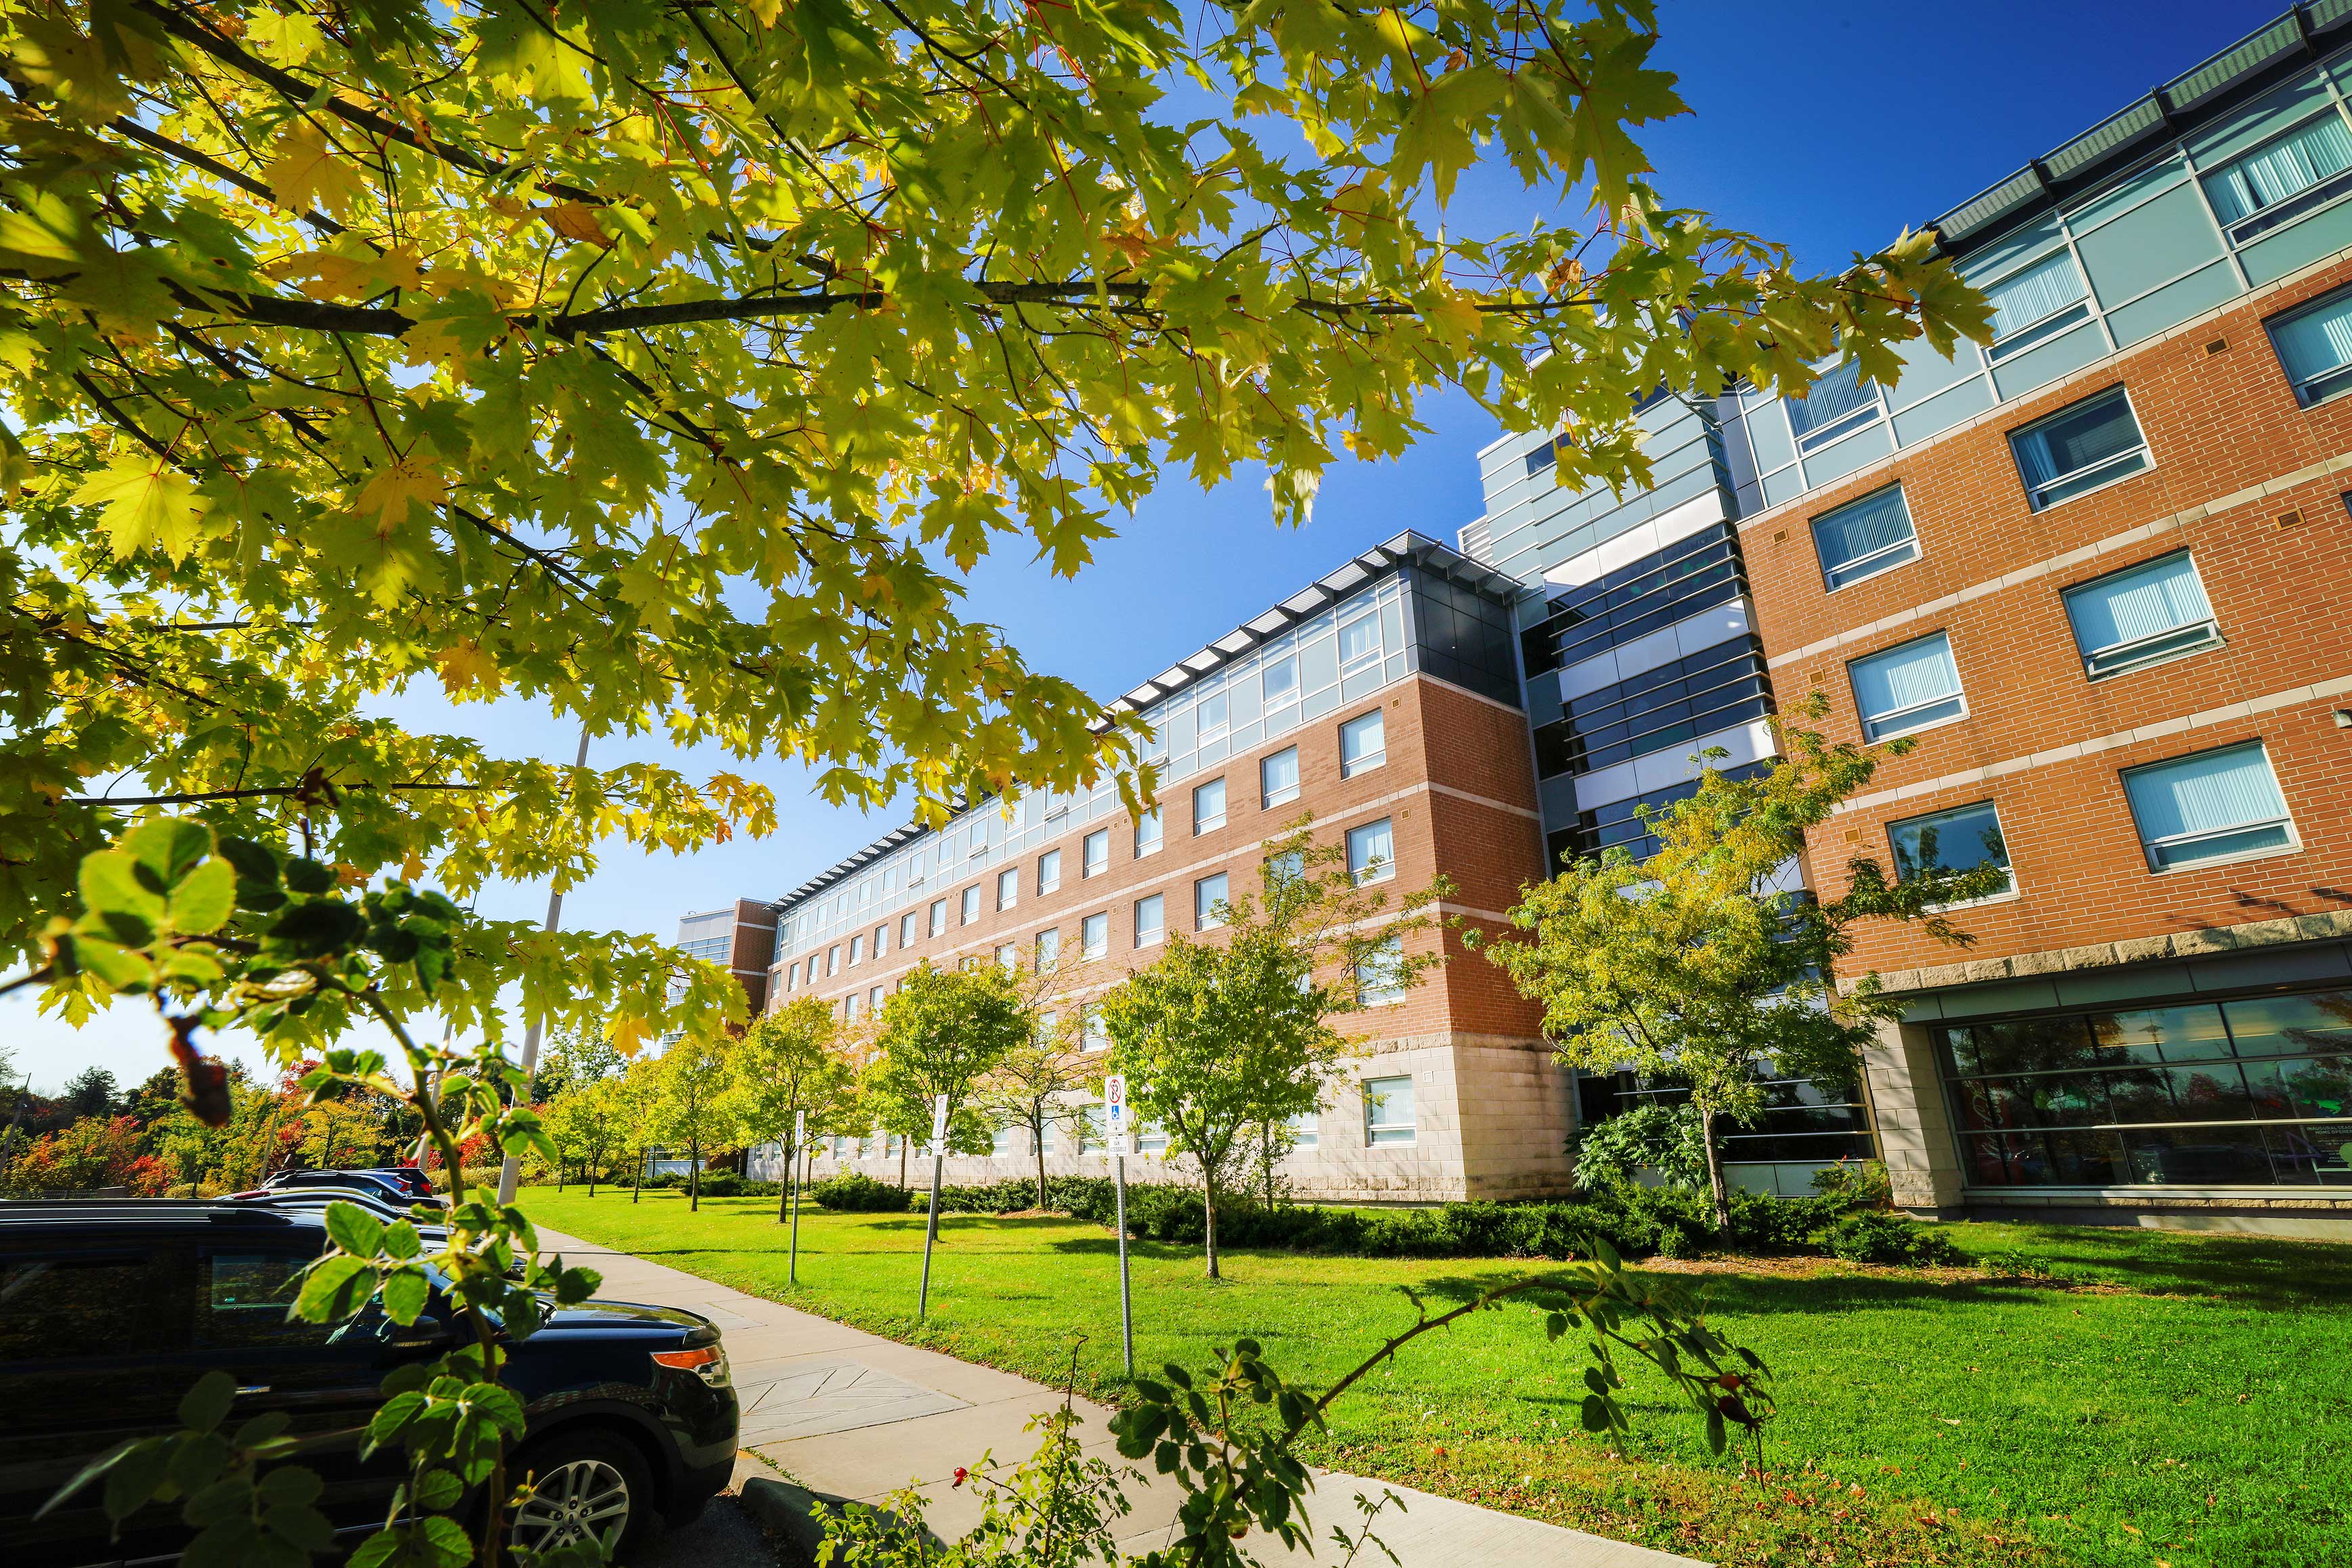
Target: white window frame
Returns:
[[1156, 826], [1873, 726], [1365, 764], [1374, 1089], [970, 905], [2044, 328], [1206, 824], [1087, 946], [2154, 848], [1158, 932], [1288, 793], [1373, 870], [1089, 863], [1049, 947], [1204, 916], [908, 929], [1008, 888], [938, 917], [2329, 385], [1049, 872], [2007, 866], [2158, 647], [1388, 995], [2145, 453], [1891, 561]]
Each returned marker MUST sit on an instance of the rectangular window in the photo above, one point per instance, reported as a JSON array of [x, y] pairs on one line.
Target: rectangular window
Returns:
[[2093, 442], [2037, 304], [1304, 1130], [2141, 614], [2314, 348], [792, 977], [1379, 974], [1207, 894], [1150, 1138], [1150, 918], [1215, 718], [1049, 871], [2216, 805], [1359, 643], [939, 915], [856, 950], [972, 904], [1277, 778], [1093, 936], [1001, 1142], [849, 1007], [1388, 1111], [874, 1000], [1907, 688], [1363, 744], [1092, 1033], [1281, 680], [1371, 851], [1839, 403], [1008, 887], [2284, 178], [1093, 853], [833, 959], [907, 930], [1955, 841], [1871, 536], [1208, 806], [1049, 947], [1287, 866], [1147, 833], [1008, 957]]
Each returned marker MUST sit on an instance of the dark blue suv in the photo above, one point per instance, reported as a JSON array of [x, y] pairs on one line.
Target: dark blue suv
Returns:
[[110, 1309]]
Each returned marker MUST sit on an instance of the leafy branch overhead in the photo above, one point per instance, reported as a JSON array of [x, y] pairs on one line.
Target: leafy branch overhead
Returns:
[[667, 363]]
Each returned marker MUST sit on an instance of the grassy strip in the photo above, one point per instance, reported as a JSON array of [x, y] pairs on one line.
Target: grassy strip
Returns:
[[2173, 1399]]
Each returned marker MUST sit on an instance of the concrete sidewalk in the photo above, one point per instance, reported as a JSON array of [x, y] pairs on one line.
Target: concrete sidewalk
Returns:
[[854, 1416]]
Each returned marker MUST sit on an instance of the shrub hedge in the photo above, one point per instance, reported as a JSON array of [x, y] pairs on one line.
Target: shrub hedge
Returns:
[[856, 1194], [1639, 1222]]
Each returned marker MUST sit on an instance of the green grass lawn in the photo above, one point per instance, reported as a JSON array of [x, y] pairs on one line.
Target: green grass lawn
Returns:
[[2172, 1400]]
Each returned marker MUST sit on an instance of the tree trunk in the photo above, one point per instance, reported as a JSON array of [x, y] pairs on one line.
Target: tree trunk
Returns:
[[1716, 1187], [563, 1169], [1037, 1147], [1266, 1156], [591, 1180], [1209, 1187], [637, 1178], [784, 1189], [694, 1178], [902, 1161]]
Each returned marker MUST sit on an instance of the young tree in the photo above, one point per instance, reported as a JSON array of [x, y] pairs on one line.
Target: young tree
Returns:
[[637, 1095], [787, 1069], [1232, 1033], [690, 1104], [1700, 964], [576, 1055], [1035, 1084], [583, 1121], [941, 1033]]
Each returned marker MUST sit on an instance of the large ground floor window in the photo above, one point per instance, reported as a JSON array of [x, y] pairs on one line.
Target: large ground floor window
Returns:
[[1803, 1121], [2253, 1093]]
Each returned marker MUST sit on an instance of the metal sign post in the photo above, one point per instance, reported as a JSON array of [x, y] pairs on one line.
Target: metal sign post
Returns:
[[1115, 1120], [932, 1230], [791, 1183]]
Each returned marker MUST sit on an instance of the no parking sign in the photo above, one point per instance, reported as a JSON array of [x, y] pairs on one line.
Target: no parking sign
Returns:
[[1114, 1105]]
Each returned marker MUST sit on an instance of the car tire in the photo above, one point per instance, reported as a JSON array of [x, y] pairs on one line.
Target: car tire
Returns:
[[585, 1482]]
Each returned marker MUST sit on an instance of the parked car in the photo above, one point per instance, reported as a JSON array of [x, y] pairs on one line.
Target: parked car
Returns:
[[110, 1309], [403, 1185]]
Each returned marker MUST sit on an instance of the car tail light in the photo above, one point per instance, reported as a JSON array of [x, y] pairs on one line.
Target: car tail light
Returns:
[[707, 1362]]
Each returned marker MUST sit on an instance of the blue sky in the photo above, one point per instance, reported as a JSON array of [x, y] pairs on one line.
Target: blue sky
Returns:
[[1828, 127]]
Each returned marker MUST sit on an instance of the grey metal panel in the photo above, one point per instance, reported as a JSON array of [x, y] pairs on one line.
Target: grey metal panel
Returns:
[[2270, 967], [2127, 983], [2174, 303], [2163, 238], [2038, 367], [1842, 458], [2275, 255], [1785, 486], [1768, 436], [2003, 997], [1943, 411], [1558, 797], [2259, 120], [2125, 193], [1751, 500], [1927, 373]]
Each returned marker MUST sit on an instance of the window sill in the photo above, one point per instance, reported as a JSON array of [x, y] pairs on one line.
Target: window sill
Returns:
[[2102, 676], [1210, 827], [1147, 853], [1271, 801], [2148, 468], [1874, 573], [1049, 887], [1153, 940], [1360, 769], [2240, 858], [2011, 896], [1394, 1144], [1922, 729]]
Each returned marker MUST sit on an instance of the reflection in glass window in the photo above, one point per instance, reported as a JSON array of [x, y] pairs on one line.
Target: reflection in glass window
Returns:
[[1371, 851], [1207, 894], [1865, 538], [1215, 717], [246, 1295], [2213, 806], [2314, 348], [1388, 1111], [2284, 178], [2079, 448], [1282, 681], [1908, 688], [1287, 866], [2145, 613], [1150, 918], [65, 1305], [1147, 833], [1379, 974], [1094, 1034], [1360, 642], [1363, 744], [1093, 936], [1947, 842], [1277, 777], [2036, 304]]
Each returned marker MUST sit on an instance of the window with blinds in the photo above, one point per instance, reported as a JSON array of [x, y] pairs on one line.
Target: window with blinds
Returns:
[[2094, 442], [1907, 688], [2036, 303], [1870, 536], [2216, 805], [2283, 179], [2142, 614], [2314, 348]]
